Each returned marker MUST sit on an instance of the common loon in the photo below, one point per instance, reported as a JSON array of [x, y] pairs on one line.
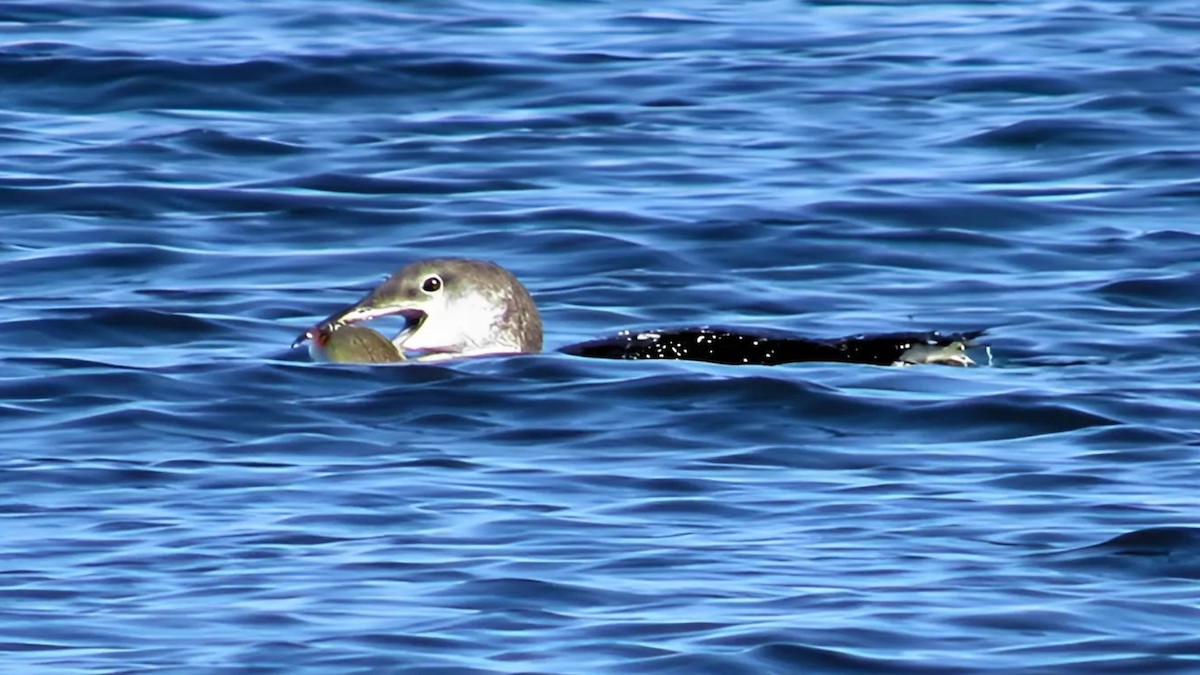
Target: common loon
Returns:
[[458, 307]]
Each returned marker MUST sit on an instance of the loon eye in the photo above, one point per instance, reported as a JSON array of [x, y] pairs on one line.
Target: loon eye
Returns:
[[432, 284]]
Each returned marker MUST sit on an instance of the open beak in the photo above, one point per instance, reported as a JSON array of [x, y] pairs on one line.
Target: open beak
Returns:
[[359, 313]]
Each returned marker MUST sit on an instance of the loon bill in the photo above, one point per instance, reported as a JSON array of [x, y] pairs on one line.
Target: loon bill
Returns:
[[455, 307]]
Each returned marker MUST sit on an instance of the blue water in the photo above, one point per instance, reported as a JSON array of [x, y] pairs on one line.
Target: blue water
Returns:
[[185, 186]]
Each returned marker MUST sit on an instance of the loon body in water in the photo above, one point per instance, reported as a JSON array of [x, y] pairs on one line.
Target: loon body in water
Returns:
[[457, 307]]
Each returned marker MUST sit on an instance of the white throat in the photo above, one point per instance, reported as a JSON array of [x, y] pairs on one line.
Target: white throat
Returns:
[[468, 325]]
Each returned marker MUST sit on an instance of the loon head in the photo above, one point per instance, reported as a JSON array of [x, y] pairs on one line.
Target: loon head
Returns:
[[453, 307]]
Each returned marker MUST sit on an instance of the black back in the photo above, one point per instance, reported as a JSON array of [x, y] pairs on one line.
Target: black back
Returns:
[[740, 346]]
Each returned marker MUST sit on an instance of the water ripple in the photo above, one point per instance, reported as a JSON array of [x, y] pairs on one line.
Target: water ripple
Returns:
[[188, 186]]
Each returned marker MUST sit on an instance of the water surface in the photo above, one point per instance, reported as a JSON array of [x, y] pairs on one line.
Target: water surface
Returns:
[[186, 186]]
